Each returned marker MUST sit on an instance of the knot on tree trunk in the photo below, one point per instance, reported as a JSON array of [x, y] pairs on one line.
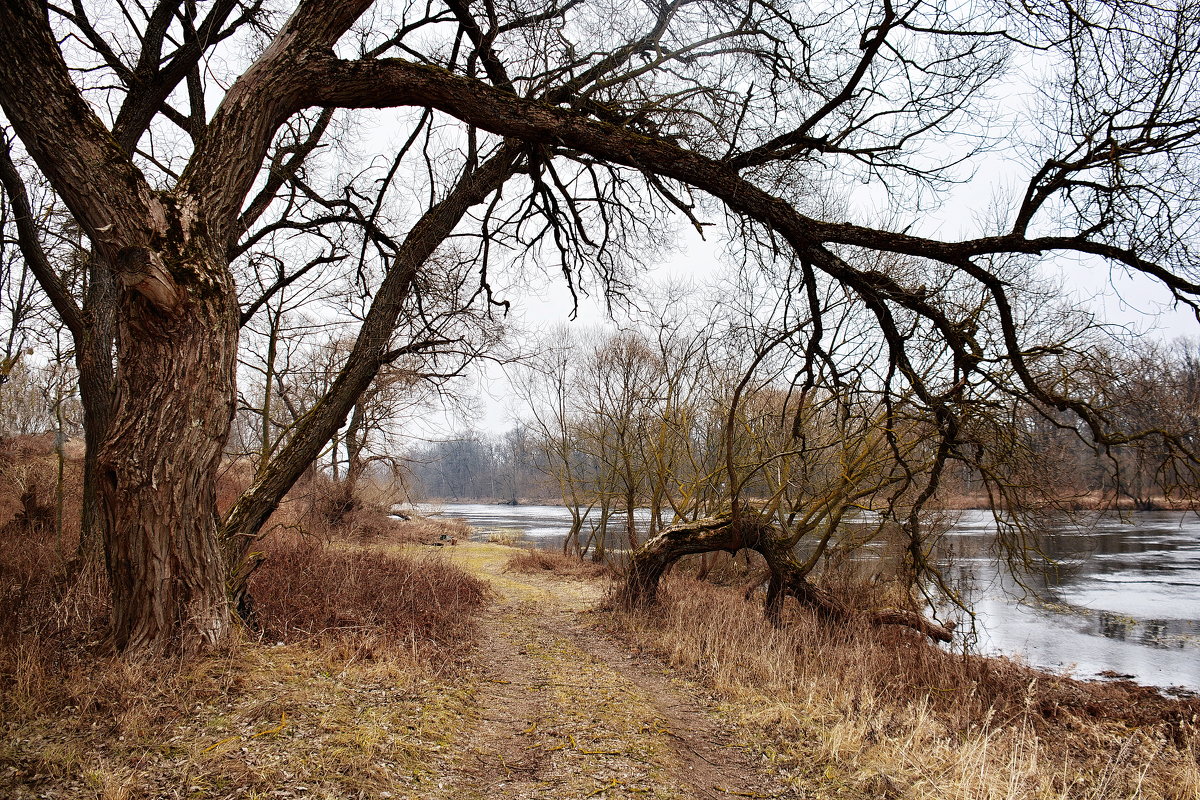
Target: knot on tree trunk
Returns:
[[142, 270]]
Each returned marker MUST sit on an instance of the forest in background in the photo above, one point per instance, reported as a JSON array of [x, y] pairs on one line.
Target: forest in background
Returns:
[[636, 418]]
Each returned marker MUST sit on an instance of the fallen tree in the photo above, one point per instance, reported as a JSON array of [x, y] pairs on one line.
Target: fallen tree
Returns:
[[787, 576]]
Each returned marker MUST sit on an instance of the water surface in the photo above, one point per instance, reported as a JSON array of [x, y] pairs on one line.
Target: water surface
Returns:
[[1124, 599]]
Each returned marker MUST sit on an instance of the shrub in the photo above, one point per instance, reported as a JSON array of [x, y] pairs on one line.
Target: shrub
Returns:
[[534, 561], [28, 484], [53, 610], [307, 589]]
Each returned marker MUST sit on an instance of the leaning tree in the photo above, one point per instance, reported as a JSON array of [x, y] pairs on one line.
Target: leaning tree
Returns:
[[178, 135]]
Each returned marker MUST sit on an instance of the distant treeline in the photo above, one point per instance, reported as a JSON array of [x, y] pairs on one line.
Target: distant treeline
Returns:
[[633, 420]]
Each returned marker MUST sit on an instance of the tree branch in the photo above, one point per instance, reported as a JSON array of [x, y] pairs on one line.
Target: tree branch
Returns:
[[31, 245]]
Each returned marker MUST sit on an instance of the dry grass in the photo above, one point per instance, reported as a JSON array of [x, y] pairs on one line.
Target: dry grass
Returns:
[[308, 590], [253, 721], [362, 697], [29, 483], [881, 714], [555, 563], [319, 508], [428, 530], [506, 538]]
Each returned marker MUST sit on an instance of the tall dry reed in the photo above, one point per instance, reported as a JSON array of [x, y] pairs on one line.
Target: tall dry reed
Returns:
[[879, 712]]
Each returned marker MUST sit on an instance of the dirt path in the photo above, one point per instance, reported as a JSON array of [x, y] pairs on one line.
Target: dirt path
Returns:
[[563, 712]]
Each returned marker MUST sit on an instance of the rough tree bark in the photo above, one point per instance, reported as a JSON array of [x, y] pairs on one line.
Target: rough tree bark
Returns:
[[174, 403], [787, 577], [176, 345], [176, 313]]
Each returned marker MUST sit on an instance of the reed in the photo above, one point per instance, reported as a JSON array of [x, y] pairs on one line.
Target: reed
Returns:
[[877, 712], [554, 563]]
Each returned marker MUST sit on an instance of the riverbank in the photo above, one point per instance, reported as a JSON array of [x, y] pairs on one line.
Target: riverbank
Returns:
[[541, 693], [880, 713], [699, 698], [1091, 501], [1119, 594]]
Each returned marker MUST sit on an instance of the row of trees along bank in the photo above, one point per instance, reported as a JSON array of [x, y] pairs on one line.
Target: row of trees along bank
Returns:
[[622, 421], [180, 179]]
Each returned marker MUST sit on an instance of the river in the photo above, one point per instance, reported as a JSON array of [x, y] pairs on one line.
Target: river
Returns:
[[1125, 598]]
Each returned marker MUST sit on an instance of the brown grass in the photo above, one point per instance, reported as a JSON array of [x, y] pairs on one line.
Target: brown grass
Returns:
[[251, 720], [318, 507], [308, 590], [555, 563], [28, 483], [880, 713], [361, 697], [427, 530]]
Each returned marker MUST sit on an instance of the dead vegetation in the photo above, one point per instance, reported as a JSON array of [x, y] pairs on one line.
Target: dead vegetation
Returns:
[[29, 483], [880, 713], [357, 684], [432, 530], [310, 590], [349, 688], [557, 564]]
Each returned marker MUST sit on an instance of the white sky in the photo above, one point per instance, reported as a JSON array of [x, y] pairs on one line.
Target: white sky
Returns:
[[1138, 304]]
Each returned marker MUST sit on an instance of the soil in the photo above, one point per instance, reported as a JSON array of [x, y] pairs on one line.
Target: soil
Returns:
[[561, 711]]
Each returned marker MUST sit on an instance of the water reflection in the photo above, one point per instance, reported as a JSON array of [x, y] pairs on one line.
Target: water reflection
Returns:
[[1114, 627], [1123, 598]]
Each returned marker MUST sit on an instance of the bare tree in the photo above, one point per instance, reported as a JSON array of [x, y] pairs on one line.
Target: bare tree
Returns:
[[604, 119], [548, 388]]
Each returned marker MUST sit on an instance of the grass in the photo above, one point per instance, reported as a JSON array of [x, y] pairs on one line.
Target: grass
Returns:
[[879, 713], [252, 720], [509, 537], [556, 563], [353, 687], [358, 685], [428, 530], [307, 590]]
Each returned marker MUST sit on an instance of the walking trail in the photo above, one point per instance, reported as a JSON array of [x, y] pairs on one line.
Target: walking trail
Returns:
[[564, 712]]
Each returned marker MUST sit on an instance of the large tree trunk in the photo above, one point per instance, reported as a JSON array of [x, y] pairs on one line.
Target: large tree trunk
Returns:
[[173, 406]]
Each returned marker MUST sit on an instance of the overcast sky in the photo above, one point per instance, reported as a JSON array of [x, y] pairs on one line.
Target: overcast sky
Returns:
[[1140, 305]]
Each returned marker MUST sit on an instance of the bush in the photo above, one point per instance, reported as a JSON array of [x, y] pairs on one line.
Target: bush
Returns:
[[307, 589], [320, 507], [534, 561], [28, 484], [53, 611]]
